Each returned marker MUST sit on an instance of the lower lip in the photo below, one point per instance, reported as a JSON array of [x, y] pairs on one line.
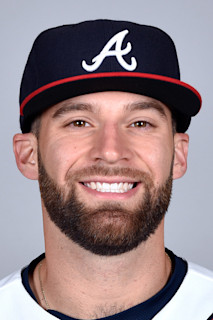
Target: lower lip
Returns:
[[111, 195]]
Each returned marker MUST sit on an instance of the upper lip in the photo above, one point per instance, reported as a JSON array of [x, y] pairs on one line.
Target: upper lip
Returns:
[[108, 180]]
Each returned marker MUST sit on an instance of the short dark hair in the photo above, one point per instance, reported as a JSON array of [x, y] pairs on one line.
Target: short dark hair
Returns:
[[35, 126]]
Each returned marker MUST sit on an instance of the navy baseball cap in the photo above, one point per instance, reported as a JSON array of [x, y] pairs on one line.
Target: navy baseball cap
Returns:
[[104, 55]]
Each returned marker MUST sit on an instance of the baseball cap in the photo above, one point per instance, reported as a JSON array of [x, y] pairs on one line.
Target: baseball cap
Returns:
[[104, 55]]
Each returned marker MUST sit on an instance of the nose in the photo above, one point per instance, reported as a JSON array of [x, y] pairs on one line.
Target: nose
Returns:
[[111, 146]]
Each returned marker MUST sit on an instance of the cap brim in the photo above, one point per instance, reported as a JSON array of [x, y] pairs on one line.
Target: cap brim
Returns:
[[183, 100]]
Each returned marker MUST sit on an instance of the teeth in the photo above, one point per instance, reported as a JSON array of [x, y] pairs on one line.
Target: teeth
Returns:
[[93, 185], [110, 187]]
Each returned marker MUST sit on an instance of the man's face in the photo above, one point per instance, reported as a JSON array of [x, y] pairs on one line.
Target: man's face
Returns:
[[105, 169]]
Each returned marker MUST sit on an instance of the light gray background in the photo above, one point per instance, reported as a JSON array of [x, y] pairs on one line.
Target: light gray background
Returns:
[[189, 231]]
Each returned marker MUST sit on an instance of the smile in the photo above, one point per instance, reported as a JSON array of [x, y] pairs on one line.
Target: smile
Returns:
[[120, 187]]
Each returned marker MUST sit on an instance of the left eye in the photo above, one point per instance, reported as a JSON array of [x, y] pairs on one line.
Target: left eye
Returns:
[[139, 124], [79, 123]]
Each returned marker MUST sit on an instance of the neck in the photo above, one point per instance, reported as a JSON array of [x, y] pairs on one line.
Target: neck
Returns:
[[83, 285]]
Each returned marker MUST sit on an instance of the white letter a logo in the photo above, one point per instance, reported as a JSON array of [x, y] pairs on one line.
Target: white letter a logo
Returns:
[[118, 53]]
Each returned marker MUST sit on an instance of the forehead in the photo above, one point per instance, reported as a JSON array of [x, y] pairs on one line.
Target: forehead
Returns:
[[113, 101]]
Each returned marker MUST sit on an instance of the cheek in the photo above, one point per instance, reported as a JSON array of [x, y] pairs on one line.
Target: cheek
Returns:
[[60, 156], [164, 163], [157, 157]]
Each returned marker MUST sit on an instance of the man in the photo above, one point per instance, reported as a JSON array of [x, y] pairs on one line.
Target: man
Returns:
[[103, 116]]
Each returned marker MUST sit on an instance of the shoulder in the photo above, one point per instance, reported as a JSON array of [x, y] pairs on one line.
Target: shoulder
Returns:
[[16, 303], [193, 299], [199, 276], [9, 283], [196, 288]]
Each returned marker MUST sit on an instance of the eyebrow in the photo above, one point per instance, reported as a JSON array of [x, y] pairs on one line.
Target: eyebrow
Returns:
[[152, 105], [69, 107]]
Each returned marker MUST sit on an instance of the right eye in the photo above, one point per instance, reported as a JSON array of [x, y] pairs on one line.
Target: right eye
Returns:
[[140, 124], [79, 123]]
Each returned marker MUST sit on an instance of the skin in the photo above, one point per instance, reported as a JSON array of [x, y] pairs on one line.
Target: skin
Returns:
[[118, 130]]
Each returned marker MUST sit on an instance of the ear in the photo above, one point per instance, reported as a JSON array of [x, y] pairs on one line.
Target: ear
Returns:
[[181, 143], [25, 150]]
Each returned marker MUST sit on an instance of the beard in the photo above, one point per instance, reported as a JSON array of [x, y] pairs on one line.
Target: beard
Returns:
[[109, 228]]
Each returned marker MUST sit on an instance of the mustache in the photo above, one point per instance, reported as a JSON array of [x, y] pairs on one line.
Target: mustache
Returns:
[[134, 174], [79, 175]]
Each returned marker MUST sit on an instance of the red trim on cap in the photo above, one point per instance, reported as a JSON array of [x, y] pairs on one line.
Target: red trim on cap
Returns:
[[107, 75]]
